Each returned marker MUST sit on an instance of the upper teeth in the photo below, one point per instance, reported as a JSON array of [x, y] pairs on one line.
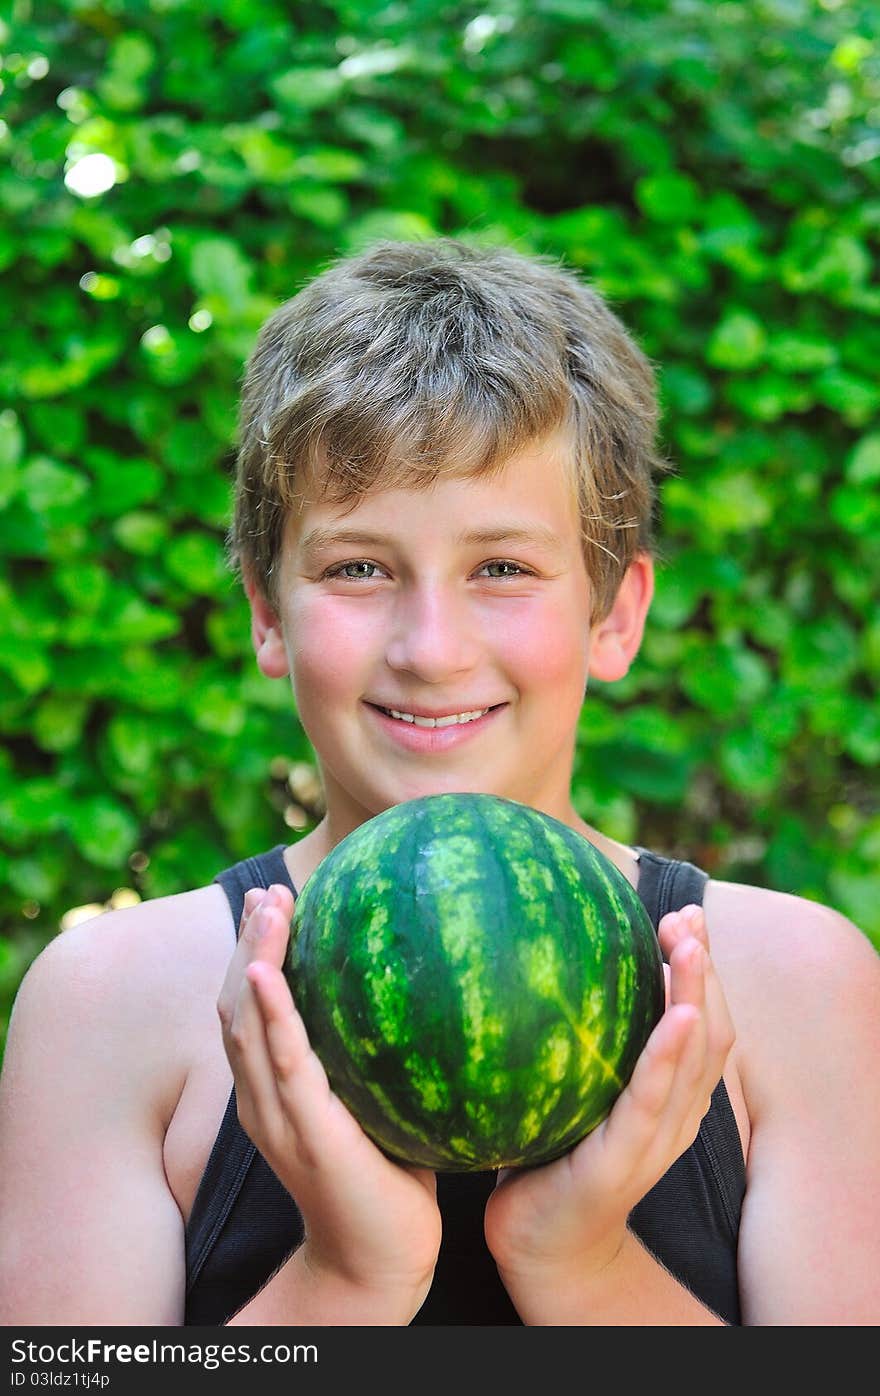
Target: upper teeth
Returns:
[[437, 721]]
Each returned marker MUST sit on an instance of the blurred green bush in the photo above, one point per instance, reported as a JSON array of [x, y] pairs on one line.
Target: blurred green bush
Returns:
[[170, 171]]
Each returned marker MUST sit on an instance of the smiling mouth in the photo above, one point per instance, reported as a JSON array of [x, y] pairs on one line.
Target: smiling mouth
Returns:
[[453, 720]]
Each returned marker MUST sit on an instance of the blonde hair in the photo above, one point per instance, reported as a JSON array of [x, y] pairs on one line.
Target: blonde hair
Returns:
[[410, 361]]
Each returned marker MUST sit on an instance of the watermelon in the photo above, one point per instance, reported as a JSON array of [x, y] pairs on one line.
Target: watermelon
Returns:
[[477, 979]]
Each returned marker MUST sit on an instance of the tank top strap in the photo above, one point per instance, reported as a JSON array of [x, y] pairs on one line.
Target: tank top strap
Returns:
[[261, 871], [666, 884]]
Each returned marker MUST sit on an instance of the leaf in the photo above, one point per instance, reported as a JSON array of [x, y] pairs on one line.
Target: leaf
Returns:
[[855, 397], [307, 88], [28, 667], [670, 197], [131, 738], [215, 709], [198, 562], [862, 465], [11, 450], [800, 353], [104, 831], [395, 225], [133, 621], [856, 509], [857, 894], [171, 356], [121, 481], [58, 721], [750, 764], [738, 341], [222, 273], [11, 439], [61, 426], [50, 488], [325, 207], [37, 878], [725, 678], [685, 389], [141, 532], [820, 654], [30, 809], [85, 585], [188, 448]]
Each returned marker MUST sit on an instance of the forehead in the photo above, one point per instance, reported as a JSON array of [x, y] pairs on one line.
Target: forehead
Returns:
[[531, 496]]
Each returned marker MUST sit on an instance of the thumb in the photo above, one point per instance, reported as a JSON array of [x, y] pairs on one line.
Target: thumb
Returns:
[[266, 924]]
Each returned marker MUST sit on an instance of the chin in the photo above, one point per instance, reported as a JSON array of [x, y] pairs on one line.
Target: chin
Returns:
[[448, 785]]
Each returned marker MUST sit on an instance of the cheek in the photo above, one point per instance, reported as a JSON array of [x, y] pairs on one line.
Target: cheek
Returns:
[[545, 645], [330, 647]]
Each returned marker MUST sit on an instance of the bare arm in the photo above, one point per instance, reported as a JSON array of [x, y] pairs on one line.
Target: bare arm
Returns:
[[90, 1230], [810, 1234]]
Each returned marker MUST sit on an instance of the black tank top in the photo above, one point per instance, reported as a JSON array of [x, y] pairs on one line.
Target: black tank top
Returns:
[[244, 1224]]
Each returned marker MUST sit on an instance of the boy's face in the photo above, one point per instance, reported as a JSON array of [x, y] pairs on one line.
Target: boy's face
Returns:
[[468, 596]]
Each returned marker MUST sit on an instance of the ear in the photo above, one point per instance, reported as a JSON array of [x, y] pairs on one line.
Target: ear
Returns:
[[615, 641], [266, 634]]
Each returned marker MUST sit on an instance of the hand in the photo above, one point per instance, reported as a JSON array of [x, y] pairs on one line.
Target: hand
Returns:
[[567, 1220], [368, 1221]]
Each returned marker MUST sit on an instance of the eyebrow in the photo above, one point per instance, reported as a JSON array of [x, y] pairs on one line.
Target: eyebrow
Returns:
[[535, 535]]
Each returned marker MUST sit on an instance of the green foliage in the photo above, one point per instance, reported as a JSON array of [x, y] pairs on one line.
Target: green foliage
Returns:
[[170, 171]]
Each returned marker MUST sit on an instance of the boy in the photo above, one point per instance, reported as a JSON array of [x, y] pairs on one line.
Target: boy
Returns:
[[443, 509]]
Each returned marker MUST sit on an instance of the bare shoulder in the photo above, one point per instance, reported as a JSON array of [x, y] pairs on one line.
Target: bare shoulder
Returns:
[[802, 981], [137, 979], [756, 932]]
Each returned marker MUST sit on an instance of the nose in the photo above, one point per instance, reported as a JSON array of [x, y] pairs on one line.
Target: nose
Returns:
[[432, 635]]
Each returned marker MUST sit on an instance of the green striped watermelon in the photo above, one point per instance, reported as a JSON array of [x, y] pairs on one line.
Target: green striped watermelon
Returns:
[[476, 978]]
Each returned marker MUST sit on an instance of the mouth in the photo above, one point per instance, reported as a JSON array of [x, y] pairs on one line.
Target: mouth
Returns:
[[456, 719], [421, 732]]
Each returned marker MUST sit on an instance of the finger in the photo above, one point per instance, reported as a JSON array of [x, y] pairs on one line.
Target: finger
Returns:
[[694, 1075], [696, 980], [286, 1037], [315, 1115], [299, 1078], [264, 931], [658, 1105], [228, 996], [687, 980], [244, 1028], [252, 898], [688, 922], [630, 1132], [256, 1087], [702, 1064]]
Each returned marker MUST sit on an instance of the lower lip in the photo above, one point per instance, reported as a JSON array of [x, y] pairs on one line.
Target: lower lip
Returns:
[[427, 739]]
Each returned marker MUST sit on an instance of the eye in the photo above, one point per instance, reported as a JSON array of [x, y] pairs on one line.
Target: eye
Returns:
[[341, 571], [511, 569]]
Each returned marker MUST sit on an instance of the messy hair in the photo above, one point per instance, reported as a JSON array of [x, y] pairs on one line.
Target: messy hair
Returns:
[[412, 361]]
